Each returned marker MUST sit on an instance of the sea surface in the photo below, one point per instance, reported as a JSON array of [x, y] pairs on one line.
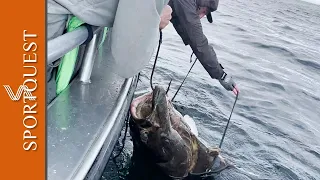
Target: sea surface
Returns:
[[272, 50]]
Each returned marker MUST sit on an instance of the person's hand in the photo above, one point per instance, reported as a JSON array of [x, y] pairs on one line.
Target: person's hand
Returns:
[[227, 82], [165, 16]]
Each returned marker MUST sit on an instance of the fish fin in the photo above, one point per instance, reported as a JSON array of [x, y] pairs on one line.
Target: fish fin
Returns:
[[191, 123]]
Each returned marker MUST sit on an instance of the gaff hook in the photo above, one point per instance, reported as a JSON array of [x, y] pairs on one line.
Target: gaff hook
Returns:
[[155, 61]]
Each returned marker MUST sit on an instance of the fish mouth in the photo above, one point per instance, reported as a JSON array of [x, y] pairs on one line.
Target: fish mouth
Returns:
[[145, 105]]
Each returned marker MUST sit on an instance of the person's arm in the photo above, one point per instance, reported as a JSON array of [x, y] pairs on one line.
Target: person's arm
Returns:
[[188, 17], [131, 43]]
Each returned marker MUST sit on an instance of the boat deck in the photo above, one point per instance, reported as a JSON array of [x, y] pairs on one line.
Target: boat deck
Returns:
[[84, 122]]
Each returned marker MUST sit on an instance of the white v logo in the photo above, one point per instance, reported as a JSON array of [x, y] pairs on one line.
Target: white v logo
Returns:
[[17, 96]]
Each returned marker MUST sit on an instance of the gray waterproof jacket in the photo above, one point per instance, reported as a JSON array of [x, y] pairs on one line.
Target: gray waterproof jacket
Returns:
[[94, 12], [186, 21], [131, 41]]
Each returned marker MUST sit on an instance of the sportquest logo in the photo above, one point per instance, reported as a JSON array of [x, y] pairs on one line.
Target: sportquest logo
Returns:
[[22, 89], [26, 93]]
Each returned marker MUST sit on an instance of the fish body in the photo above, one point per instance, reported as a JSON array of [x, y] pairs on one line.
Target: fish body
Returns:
[[171, 137]]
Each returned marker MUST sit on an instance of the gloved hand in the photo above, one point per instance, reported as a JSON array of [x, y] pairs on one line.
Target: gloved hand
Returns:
[[227, 82]]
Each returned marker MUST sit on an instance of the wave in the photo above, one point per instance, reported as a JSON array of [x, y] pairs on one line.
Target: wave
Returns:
[[309, 64], [288, 27], [273, 48]]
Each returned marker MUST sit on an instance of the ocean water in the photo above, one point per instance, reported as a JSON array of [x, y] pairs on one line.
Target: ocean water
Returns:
[[272, 50]]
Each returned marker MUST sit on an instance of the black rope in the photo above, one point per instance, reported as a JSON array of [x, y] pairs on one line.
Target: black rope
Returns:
[[211, 173], [155, 61], [124, 138], [225, 130], [207, 174], [118, 167], [185, 77], [168, 88]]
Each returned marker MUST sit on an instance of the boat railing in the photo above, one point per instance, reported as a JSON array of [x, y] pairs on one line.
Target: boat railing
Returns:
[[63, 44]]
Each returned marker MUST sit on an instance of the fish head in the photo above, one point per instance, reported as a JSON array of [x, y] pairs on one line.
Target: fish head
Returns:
[[151, 110]]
